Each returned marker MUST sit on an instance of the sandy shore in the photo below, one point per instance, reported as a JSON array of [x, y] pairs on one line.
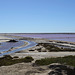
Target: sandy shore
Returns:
[[2, 39], [38, 54]]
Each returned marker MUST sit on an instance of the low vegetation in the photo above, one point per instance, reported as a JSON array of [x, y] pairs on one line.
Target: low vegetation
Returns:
[[8, 60], [53, 48], [15, 57], [68, 60], [26, 38]]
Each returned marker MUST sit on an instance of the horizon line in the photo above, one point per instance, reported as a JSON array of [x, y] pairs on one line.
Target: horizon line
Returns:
[[41, 33]]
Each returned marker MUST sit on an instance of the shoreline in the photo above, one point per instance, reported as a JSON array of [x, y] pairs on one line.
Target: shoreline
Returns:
[[25, 44], [29, 68], [36, 54], [39, 55]]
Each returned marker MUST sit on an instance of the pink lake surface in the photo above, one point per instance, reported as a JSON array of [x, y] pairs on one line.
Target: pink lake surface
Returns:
[[62, 37]]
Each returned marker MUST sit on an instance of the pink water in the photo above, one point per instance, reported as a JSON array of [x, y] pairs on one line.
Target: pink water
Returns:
[[62, 37]]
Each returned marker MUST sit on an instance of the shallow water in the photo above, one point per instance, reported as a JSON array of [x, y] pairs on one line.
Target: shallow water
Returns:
[[8, 45], [31, 44], [65, 39], [62, 37]]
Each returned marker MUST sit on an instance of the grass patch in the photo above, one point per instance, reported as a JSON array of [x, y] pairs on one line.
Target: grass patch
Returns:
[[50, 47], [8, 60], [53, 48], [68, 60]]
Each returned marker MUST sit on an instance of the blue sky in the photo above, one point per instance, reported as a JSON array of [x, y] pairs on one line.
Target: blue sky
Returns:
[[37, 16]]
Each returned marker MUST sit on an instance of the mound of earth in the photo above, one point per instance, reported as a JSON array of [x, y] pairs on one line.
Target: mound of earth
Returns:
[[12, 41]]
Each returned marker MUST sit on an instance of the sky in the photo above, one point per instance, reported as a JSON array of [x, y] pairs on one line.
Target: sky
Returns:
[[37, 16]]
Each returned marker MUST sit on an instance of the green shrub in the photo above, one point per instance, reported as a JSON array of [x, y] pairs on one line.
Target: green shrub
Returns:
[[8, 57], [8, 60], [28, 59], [39, 50], [52, 47], [69, 60], [15, 57]]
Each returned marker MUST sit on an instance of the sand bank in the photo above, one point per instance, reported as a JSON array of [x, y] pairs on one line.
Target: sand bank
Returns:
[[4, 39]]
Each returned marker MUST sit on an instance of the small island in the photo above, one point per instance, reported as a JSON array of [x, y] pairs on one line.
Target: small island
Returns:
[[12, 41]]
